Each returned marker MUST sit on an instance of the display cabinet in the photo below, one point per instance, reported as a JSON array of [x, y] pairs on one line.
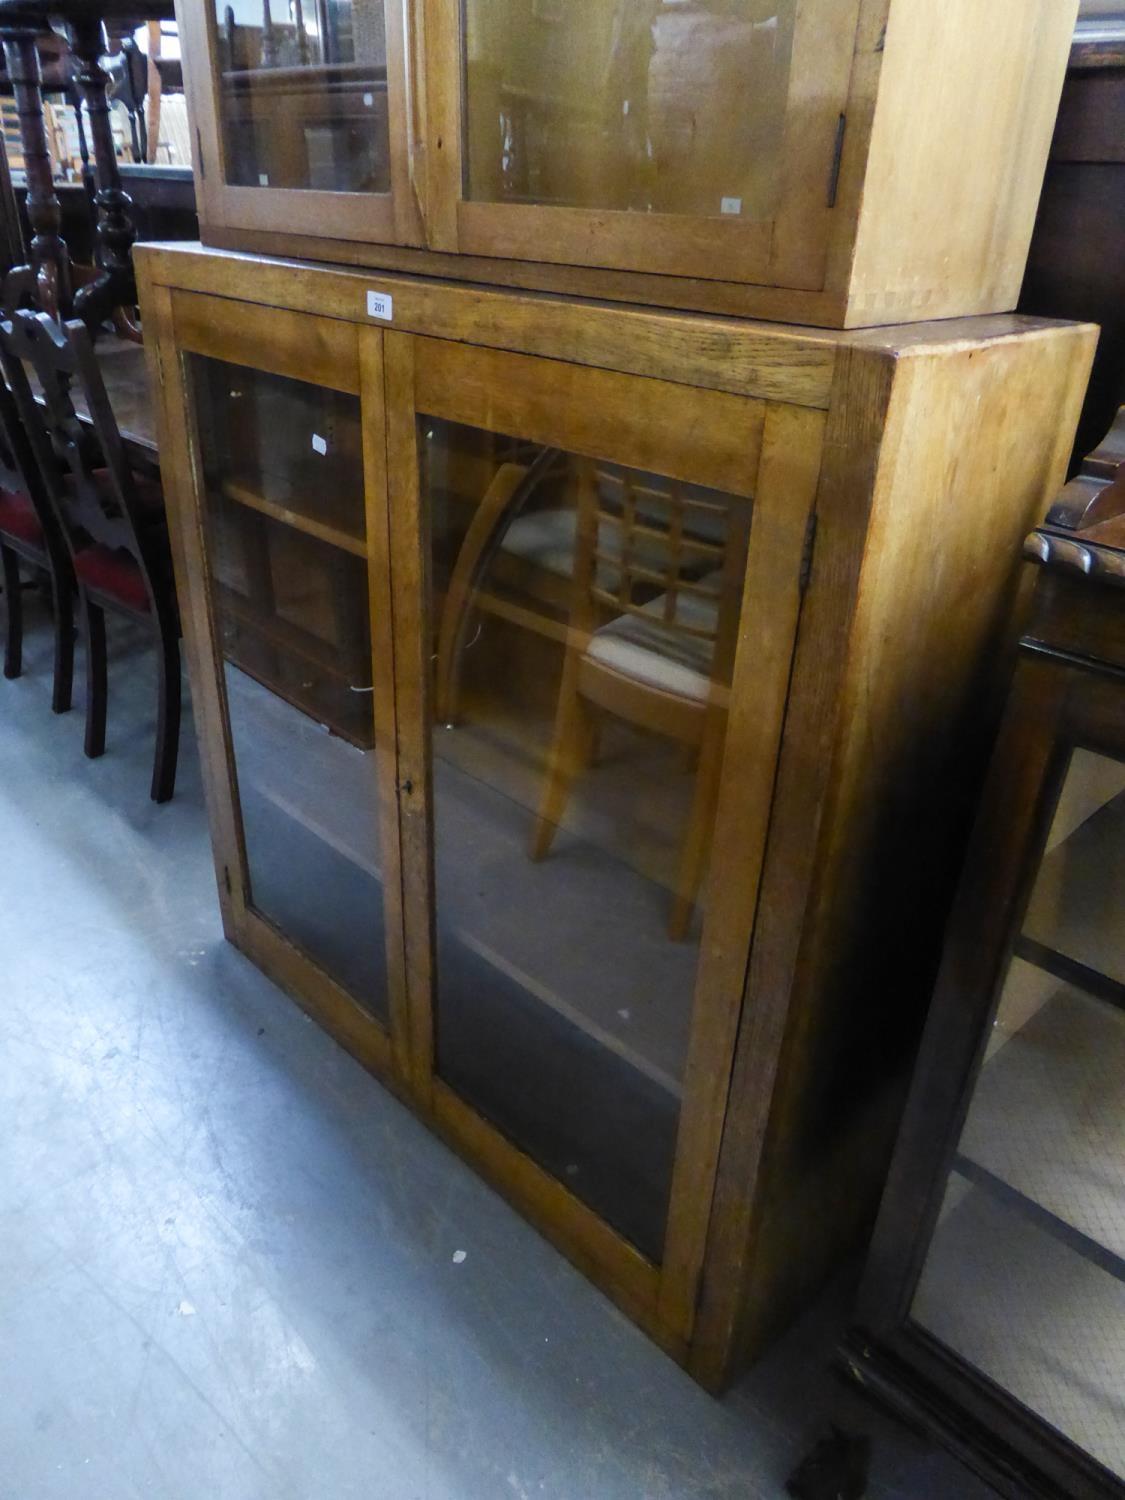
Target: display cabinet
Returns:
[[587, 699], [835, 162], [993, 1307]]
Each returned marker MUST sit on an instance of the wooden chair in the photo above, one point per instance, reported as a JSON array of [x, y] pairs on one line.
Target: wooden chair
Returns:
[[112, 519], [521, 545], [671, 586], [29, 531]]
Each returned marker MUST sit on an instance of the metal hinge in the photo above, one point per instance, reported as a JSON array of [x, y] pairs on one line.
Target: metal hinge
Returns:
[[807, 553], [226, 880], [837, 158], [199, 153]]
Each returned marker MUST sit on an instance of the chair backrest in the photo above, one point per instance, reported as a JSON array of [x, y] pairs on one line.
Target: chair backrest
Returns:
[[671, 553], [15, 456], [83, 465], [19, 474]]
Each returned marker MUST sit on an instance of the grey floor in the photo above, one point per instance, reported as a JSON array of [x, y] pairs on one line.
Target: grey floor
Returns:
[[232, 1266]]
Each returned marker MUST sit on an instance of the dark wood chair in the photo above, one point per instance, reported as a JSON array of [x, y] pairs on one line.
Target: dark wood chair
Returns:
[[112, 518], [30, 532]]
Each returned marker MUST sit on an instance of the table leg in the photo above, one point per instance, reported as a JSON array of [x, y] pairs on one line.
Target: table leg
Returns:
[[46, 278], [116, 286]]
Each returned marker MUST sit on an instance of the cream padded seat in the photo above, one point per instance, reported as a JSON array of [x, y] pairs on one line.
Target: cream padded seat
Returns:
[[641, 647]]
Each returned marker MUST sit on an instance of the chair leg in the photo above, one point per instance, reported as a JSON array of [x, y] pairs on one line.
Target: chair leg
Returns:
[[167, 718], [96, 685], [697, 839], [571, 749], [62, 604], [13, 651]]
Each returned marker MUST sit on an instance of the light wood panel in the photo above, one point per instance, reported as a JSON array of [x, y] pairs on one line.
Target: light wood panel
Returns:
[[892, 694], [713, 439], [316, 350], [968, 91], [787, 364]]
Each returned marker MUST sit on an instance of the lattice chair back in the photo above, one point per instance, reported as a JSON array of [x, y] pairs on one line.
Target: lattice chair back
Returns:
[[663, 561]]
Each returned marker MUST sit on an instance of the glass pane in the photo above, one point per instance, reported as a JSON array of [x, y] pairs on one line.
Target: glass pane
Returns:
[[584, 621], [303, 94], [283, 472], [659, 106], [1025, 1276]]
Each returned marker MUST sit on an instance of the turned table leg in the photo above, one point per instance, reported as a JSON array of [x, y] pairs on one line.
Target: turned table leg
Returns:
[[116, 285], [47, 276]]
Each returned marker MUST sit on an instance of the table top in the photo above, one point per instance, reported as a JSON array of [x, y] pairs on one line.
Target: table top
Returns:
[[126, 381], [18, 11]]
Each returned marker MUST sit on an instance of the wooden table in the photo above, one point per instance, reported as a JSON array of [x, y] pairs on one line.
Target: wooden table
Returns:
[[126, 380], [21, 22]]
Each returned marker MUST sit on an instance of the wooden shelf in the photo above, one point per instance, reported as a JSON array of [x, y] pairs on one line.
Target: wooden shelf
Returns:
[[242, 495]]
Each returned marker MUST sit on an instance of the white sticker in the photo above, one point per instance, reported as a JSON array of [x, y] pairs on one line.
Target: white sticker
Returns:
[[380, 305], [368, 100], [730, 206], [320, 445], [263, 179]]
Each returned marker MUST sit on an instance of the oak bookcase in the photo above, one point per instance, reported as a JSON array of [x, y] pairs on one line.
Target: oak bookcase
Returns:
[[628, 871]]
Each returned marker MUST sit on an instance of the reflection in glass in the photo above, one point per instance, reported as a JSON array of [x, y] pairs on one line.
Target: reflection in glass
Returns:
[[1025, 1275], [661, 106], [584, 621], [284, 511], [303, 94]]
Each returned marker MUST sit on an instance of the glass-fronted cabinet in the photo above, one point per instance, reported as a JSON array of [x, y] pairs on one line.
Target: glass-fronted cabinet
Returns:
[[476, 629], [995, 1296], [1024, 1275], [302, 114], [823, 162], [541, 746]]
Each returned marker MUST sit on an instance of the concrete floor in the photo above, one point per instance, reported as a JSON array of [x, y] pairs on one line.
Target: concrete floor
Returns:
[[230, 1262]]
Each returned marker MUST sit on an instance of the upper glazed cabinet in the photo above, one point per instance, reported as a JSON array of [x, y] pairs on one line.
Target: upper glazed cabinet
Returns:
[[840, 162]]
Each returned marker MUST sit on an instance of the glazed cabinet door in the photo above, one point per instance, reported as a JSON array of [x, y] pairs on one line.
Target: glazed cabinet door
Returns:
[[280, 529], [303, 116], [597, 582], [677, 137]]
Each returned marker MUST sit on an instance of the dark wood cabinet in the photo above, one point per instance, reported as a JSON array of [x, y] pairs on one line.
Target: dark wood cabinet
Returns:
[[993, 1306]]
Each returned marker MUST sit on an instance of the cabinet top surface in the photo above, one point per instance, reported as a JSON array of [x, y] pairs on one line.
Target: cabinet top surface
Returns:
[[341, 291]]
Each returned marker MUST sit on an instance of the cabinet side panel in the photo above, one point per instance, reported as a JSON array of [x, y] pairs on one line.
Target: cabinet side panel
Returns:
[[967, 100], [976, 441]]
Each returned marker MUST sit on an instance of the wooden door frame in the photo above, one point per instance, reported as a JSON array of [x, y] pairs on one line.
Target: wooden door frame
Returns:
[[395, 217], [789, 250], [779, 449], [321, 351]]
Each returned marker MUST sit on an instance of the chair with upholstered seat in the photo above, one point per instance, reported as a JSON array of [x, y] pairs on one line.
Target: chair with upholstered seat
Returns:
[[112, 519], [30, 533], [521, 543], [656, 590]]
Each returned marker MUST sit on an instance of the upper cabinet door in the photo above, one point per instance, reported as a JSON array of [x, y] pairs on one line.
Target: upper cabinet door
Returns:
[[303, 113], [682, 137]]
